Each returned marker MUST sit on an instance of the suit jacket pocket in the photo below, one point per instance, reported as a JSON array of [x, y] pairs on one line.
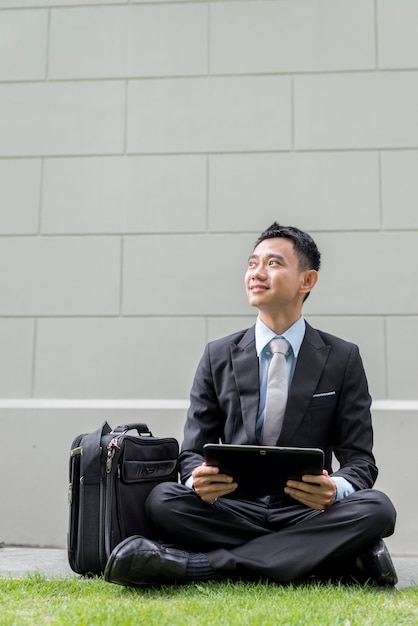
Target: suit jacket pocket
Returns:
[[323, 399]]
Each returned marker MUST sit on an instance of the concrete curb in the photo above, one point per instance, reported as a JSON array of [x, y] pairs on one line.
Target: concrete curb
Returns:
[[17, 562]]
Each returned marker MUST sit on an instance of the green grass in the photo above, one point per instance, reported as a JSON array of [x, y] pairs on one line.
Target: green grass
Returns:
[[35, 599]]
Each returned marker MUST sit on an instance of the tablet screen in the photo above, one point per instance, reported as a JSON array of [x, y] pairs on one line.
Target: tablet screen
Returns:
[[264, 470]]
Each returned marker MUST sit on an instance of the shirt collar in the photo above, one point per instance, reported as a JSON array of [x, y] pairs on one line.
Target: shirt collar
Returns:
[[294, 335]]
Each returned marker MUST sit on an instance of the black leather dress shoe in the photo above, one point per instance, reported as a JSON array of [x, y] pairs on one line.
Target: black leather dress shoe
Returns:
[[139, 561], [376, 566]]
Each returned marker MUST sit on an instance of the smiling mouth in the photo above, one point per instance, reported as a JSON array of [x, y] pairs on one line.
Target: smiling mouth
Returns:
[[258, 287]]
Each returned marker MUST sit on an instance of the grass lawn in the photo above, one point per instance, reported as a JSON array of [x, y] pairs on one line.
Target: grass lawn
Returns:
[[38, 600]]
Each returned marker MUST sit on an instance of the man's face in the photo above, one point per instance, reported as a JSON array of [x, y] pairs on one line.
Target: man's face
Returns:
[[273, 279]]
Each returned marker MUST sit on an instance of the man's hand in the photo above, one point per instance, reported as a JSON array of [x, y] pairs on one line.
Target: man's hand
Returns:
[[209, 484], [317, 492]]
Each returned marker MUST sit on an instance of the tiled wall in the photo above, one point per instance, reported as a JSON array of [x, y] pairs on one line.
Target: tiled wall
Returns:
[[145, 144], [143, 147]]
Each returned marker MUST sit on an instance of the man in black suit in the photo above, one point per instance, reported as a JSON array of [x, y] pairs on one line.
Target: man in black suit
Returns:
[[324, 526]]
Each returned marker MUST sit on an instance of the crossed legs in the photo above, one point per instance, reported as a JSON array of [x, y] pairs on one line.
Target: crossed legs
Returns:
[[280, 543]]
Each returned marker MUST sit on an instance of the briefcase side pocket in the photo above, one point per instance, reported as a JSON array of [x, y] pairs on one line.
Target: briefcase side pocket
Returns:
[[143, 463], [143, 471]]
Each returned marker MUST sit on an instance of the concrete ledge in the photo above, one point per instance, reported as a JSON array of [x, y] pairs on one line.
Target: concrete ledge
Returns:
[[37, 436], [105, 403], [35, 459]]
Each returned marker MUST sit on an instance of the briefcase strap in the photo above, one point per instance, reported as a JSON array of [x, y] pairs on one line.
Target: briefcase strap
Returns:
[[91, 455]]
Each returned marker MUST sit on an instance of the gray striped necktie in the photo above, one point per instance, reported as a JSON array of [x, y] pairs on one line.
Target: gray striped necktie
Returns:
[[276, 395]]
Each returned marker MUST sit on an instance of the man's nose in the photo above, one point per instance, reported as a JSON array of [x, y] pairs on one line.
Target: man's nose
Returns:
[[259, 272]]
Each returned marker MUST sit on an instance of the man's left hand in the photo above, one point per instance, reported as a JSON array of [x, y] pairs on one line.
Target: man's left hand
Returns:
[[317, 492]]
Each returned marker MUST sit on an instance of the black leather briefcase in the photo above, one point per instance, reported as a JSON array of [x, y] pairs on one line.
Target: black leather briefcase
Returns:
[[111, 474]]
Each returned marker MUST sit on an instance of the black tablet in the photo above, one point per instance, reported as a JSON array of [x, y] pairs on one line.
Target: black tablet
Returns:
[[264, 470]]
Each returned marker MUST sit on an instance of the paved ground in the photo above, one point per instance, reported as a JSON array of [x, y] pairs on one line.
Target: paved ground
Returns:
[[17, 562]]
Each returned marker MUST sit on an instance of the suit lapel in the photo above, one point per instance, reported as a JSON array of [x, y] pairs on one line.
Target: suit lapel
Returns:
[[245, 369], [311, 361]]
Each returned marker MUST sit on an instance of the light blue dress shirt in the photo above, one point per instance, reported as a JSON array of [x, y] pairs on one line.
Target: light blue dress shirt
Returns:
[[263, 335], [294, 335]]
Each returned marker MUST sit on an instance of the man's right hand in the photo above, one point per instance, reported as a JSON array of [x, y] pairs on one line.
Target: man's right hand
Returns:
[[209, 484]]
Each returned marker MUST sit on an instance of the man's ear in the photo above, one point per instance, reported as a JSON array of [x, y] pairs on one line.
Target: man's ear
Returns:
[[309, 280]]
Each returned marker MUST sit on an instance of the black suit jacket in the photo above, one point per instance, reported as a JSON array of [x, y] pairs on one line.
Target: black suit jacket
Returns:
[[328, 404]]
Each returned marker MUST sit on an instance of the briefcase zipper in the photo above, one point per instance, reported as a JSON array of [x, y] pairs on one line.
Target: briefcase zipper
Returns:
[[111, 451], [112, 447]]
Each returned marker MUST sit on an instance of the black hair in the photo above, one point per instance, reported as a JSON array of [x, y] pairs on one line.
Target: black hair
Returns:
[[305, 248]]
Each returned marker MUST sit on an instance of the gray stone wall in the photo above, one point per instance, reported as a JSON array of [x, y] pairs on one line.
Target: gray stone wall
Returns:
[[143, 146]]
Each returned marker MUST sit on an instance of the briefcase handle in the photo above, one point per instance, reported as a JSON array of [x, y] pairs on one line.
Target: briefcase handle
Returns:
[[141, 428]]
